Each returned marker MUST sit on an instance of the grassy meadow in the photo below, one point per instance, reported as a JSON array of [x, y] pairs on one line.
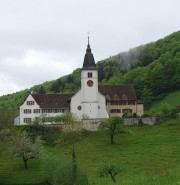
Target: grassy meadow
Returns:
[[148, 156]]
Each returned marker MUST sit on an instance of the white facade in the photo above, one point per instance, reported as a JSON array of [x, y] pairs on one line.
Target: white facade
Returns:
[[77, 106], [27, 110], [88, 103], [30, 110], [89, 86]]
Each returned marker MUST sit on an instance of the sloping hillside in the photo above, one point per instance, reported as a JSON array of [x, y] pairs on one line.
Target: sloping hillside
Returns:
[[170, 101], [153, 69]]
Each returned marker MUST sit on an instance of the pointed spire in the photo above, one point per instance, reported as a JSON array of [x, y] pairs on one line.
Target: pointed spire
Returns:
[[89, 62]]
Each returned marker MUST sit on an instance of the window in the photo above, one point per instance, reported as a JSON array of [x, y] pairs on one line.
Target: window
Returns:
[[30, 102], [52, 110], [55, 110], [116, 111], [27, 111], [47, 110], [127, 110], [36, 111], [89, 75], [43, 110], [26, 120]]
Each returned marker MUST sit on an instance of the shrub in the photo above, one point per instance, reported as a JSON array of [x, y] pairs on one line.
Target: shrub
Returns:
[[61, 171], [175, 111], [145, 115]]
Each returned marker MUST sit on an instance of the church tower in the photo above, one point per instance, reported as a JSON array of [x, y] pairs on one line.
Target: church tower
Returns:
[[89, 86], [88, 102]]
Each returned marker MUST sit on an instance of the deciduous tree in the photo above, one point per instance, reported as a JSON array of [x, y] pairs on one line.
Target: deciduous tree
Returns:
[[25, 147], [109, 170], [114, 124]]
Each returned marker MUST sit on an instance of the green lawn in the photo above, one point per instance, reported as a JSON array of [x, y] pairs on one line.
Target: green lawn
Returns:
[[172, 100], [149, 156]]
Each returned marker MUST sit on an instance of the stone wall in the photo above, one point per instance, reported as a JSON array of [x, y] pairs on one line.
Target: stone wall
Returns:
[[93, 124], [141, 121]]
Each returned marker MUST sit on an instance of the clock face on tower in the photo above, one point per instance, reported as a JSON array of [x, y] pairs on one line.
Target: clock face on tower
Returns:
[[90, 83]]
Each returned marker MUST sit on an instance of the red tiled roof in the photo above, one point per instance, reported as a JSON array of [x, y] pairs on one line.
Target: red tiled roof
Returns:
[[111, 92], [52, 100], [118, 92]]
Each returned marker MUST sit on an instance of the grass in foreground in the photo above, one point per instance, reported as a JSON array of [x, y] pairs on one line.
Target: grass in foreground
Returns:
[[151, 155]]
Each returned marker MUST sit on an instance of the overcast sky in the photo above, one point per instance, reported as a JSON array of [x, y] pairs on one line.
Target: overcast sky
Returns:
[[42, 40]]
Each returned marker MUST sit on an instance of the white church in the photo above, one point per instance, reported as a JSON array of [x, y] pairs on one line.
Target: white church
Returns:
[[91, 102]]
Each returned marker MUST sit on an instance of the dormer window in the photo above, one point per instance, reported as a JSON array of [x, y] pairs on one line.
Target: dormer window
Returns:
[[89, 75], [124, 97], [30, 102]]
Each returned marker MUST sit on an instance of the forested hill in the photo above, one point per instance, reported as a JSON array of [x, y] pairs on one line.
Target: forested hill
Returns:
[[153, 69]]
